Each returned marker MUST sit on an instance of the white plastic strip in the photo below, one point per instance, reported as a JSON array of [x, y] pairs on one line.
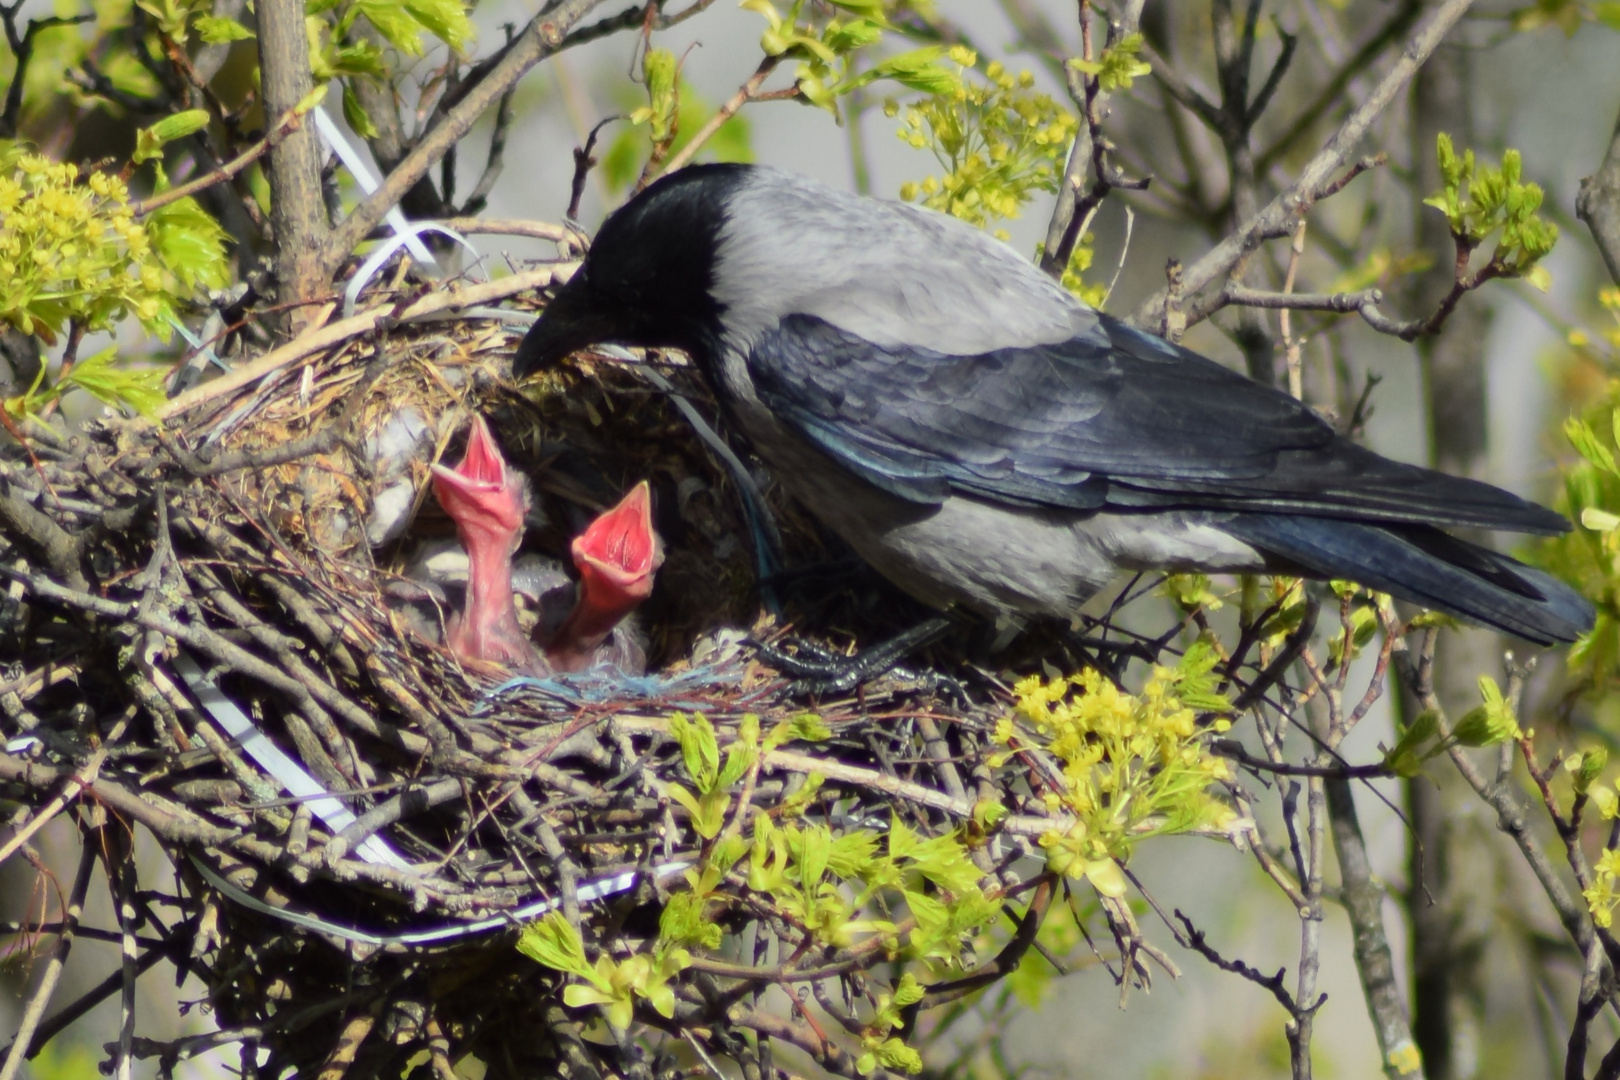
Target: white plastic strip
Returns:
[[288, 773], [368, 183], [385, 251], [588, 893]]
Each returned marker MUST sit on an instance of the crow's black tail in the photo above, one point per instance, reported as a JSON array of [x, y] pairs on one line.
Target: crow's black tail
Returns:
[[1426, 566]]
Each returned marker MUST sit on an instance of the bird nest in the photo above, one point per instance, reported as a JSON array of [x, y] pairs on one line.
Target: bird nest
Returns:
[[201, 641]]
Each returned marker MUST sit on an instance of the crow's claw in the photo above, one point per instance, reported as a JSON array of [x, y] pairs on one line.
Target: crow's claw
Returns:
[[834, 674]]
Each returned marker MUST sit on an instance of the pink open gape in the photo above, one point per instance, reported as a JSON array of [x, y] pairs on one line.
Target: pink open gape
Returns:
[[616, 556], [487, 503]]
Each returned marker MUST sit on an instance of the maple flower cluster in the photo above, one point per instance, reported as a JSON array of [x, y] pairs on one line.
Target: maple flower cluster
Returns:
[[1133, 765], [71, 249], [997, 139]]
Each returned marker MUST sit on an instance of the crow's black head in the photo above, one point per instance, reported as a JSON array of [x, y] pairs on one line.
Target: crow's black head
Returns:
[[647, 279]]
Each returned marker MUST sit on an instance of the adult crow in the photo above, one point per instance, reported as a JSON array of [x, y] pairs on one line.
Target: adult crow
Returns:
[[986, 441]]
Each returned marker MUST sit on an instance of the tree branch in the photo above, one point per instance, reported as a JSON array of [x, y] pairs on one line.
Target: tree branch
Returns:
[[1279, 217], [1599, 205], [1070, 215], [544, 36], [297, 211]]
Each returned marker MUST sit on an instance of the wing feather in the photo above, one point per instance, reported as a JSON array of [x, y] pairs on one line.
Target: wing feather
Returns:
[[1114, 417]]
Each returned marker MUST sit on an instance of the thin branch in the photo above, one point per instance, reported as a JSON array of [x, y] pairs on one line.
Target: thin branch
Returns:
[[544, 35], [538, 230], [632, 18], [1332, 92], [745, 93], [1274, 984], [22, 51], [1501, 796], [1074, 211], [291, 121], [1281, 215], [365, 322], [1233, 750], [495, 161], [52, 973], [1599, 205]]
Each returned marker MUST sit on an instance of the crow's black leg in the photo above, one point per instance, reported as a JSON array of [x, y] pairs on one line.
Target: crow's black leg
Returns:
[[841, 674]]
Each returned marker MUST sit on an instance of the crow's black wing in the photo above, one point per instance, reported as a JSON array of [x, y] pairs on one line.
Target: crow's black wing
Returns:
[[1114, 417]]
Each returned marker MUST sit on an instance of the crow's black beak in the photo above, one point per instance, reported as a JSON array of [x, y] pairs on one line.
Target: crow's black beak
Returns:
[[570, 322]]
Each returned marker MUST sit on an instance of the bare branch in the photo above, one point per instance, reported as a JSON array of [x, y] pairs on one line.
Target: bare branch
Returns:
[[22, 51], [1073, 211], [544, 35], [290, 122], [297, 211], [1599, 205], [1280, 216], [744, 94], [35, 1009]]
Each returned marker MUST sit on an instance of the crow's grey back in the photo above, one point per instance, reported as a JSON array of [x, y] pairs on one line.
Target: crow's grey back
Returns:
[[893, 274]]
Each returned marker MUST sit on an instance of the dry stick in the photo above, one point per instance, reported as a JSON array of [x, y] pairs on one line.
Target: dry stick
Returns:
[[291, 121], [1292, 345], [314, 341], [743, 95], [538, 230], [121, 878], [1278, 217], [81, 780], [1309, 861], [71, 1013], [53, 967], [541, 38]]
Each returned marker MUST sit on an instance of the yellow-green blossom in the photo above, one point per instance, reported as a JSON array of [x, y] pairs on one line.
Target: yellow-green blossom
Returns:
[[1602, 896], [997, 139], [71, 249], [1133, 765]]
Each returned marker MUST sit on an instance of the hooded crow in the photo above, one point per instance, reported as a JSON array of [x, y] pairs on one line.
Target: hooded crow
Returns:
[[987, 441]]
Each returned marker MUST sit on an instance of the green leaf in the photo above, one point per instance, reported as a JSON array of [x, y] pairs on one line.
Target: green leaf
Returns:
[[394, 23], [1118, 66], [1406, 757], [556, 944], [1587, 767], [354, 114], [140, 389], [445, 19], [218, 31], [149, 142], [190, 244], [1490, 723], [856, 35], [699, 750], [1586, 443], [744, 751]]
